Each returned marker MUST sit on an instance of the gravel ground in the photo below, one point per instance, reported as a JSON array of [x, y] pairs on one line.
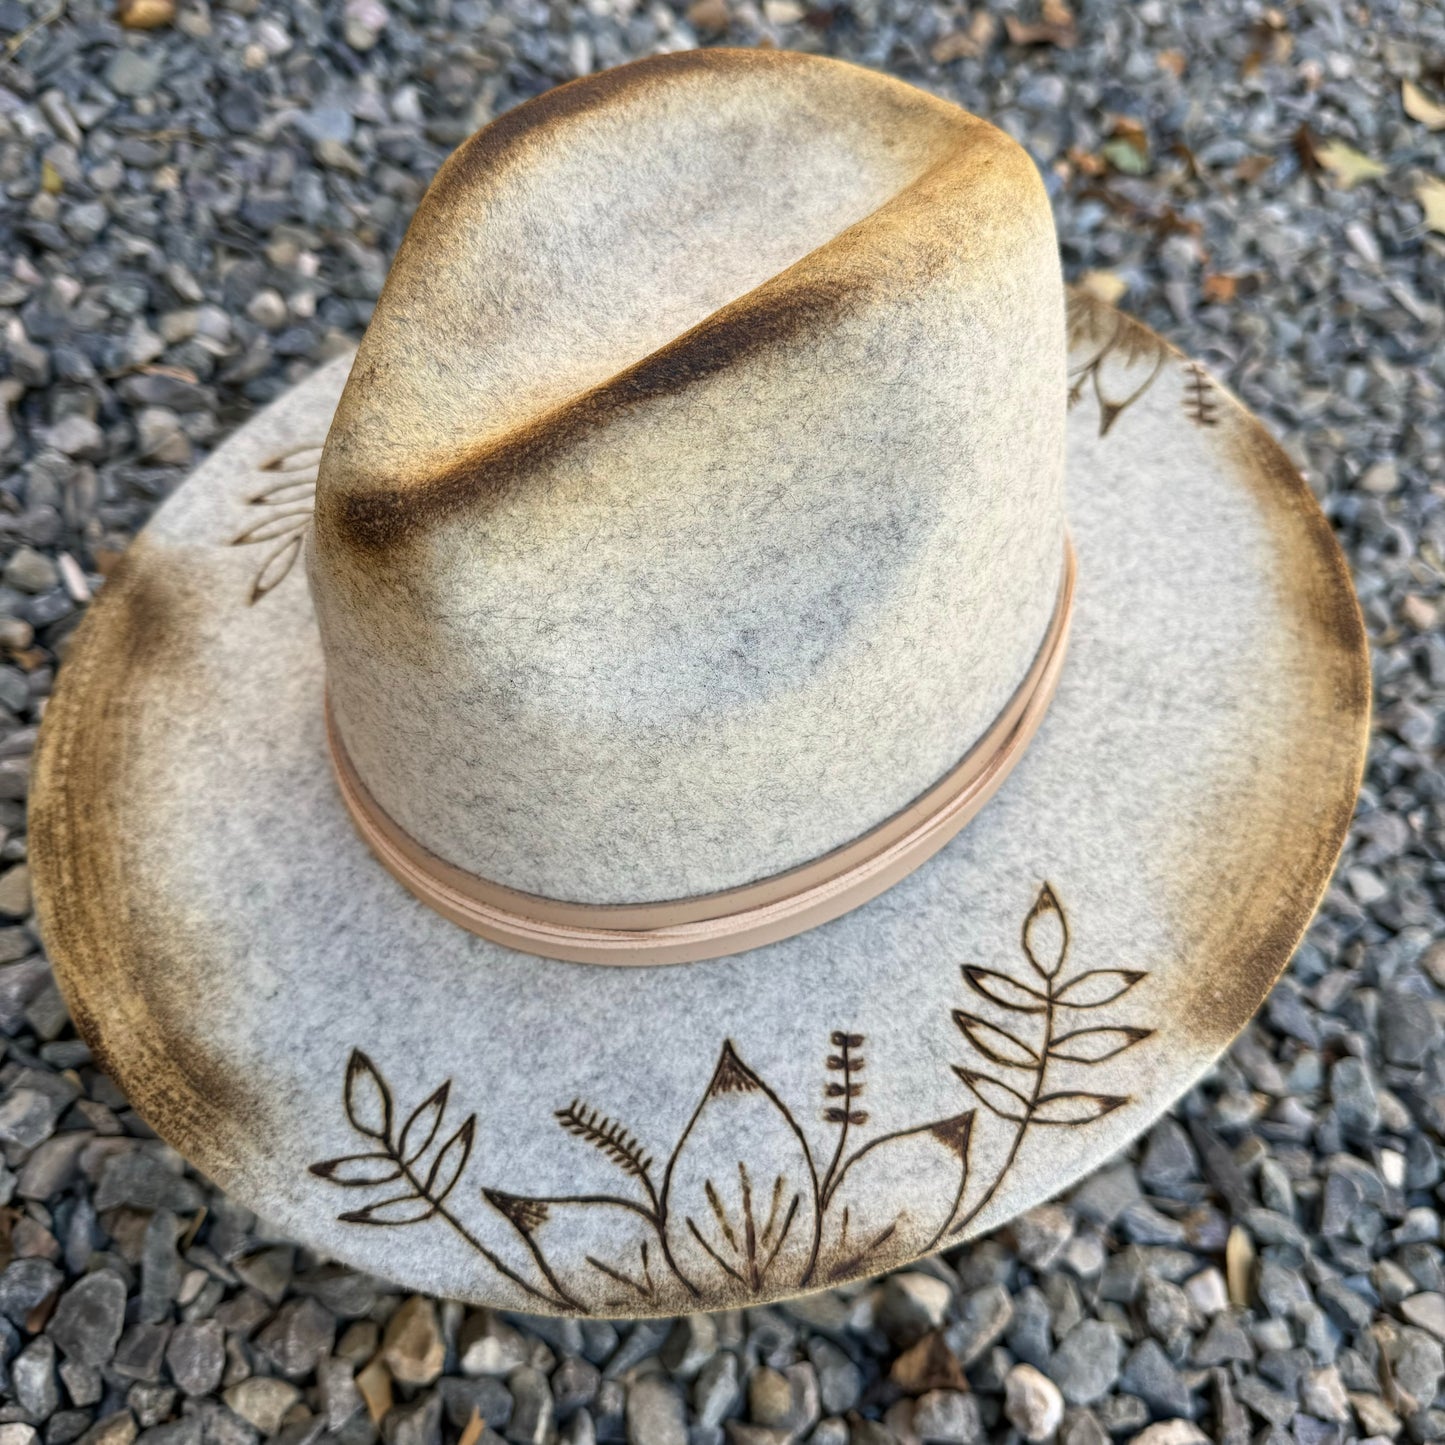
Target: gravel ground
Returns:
[[194, 216]]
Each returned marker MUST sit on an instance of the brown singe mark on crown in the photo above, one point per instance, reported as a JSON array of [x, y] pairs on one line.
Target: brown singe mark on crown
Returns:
[[768, 318], [756, 1228]]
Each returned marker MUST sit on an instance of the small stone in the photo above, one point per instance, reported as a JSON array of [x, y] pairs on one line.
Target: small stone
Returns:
[[30, 571], [716, 1390], [89, 1318], [267, 308], [489, 1346], [140, 1353], [413, 1347], [1086, 1363], [1032, 1403], [949, 1416], [1426, 1310], [145, 14], [840, 1381], [1322, 1393], [16, 1433], [28, 1117], [912, 1303], [1171, 1432], [533, 1419], [1207, 1292], [417, 1424], [574, 1385], [119, 1428], [983, 1319], [374, 1385], [1381, 479], [1225, 1340], [32, 1379], [690, 1344], [1149, 1374], [1041, 1235], [655, 1414], [196, 1356], [262, 1401], [301, 1334]]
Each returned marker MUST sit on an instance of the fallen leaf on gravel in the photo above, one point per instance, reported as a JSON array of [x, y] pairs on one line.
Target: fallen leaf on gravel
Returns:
[[1431, 194], [1219, 288], [1021, 33], [712, 16], [1251, 168], [1103, 285], [1347, 165], [1125, 156], [1419, 106], [145, 14]]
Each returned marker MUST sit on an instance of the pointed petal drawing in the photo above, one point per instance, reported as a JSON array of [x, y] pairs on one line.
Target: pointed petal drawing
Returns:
[[368, 1100], [357, 1170], [996, 1097], [1094, 1046], [1097, 987], [1074, 1108], [277, 567], [997, 1045], [740, 1196], [999, 988], [927, 1165], [1046, 934], [594, 1252], [450, 1161], [401, 1209], [270, 529], [421, 1128]]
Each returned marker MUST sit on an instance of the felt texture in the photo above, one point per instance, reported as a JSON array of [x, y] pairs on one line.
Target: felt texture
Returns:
[[676, 530], [619, 1141]]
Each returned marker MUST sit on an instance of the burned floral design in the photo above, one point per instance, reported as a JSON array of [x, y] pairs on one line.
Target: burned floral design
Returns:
[[1114, 347], [742, 1208], [287, 506]]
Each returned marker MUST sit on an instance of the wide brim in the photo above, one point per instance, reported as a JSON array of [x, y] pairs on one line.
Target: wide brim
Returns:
[[549, 1136]]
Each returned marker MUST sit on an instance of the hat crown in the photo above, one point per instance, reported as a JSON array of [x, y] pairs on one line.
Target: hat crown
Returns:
[[696, 498]]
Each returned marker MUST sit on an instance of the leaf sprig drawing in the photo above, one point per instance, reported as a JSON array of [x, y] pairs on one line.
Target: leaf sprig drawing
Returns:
[[1039, 1022], [289, 505], [743, 1209], [417, 1173]]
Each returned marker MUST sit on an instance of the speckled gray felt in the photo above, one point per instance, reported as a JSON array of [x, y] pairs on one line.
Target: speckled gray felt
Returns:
[[554, 1136]]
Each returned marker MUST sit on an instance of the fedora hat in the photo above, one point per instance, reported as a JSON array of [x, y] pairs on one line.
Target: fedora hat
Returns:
[[747, 736]]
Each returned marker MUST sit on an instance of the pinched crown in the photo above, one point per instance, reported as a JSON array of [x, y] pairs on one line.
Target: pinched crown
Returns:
[[696, 497]]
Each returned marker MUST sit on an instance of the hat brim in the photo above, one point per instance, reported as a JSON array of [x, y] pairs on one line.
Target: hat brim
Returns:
[[495, 1127]]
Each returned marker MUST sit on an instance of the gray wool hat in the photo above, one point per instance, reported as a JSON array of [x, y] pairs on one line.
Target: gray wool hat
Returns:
[[744, 738]]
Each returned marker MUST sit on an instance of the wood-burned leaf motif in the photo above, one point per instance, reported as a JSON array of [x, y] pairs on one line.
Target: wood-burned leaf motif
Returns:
[[290, 502], [999, 988], [926, 1166], [609, 1137], [355, 1171], [419, 1130], [450, 1161], [1046, 934], [1098, 987], [400, 1209], [368, 1100], [269, 529], [740, 1196], [995, 1096], [292, 491], [1069, 1107], [997, 1045], [277, 566], [1095, 1046], [298, 459]]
